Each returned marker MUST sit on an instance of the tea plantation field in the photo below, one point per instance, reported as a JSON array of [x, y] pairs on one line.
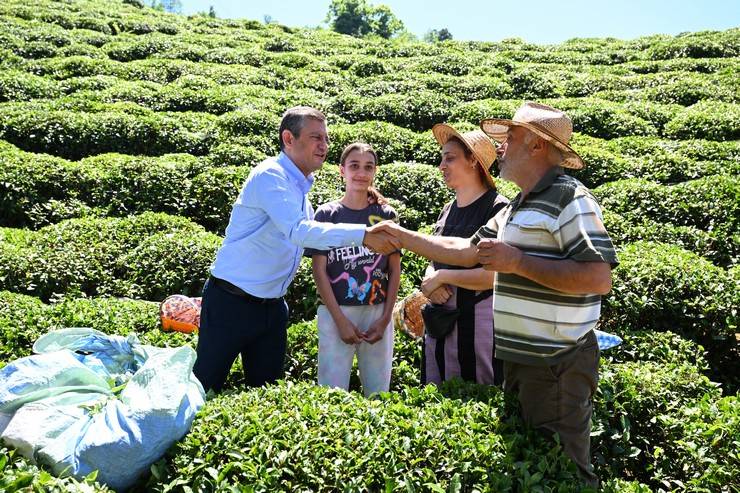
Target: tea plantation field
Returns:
[[125, 134]]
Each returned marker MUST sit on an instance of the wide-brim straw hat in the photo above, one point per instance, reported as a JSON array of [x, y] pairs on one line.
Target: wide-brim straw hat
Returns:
[[479, 144], [547, 122]]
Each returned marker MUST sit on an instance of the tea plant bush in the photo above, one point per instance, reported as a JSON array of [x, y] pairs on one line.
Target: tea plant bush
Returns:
[[667, 161], [116, 184], [23, 319], [126, 128], [20, 474], [660, 347], [702, 306], [631, 397], [42, 190], [719, 249], [706, 120], [305, 436], [702, 437], [126, 134], [709, 203], [147, 256]]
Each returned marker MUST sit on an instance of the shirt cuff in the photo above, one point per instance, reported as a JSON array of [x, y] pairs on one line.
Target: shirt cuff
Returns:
[[356, 234]]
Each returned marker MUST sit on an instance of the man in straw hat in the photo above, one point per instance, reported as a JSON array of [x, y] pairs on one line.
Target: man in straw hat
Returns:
[[553, 260]]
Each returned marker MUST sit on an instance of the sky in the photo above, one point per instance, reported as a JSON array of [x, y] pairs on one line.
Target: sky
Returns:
[[535, 21]]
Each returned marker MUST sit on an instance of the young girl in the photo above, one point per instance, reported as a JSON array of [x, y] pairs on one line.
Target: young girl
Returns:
[[357, 286]]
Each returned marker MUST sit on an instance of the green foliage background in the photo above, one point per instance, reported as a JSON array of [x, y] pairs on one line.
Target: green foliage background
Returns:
[[126, 133]]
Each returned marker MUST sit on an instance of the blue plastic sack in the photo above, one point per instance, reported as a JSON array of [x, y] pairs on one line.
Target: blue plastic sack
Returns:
[[110, 356], [607, 340], [95, 402]]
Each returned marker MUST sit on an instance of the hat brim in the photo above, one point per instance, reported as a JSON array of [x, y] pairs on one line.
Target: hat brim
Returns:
[[442, 133], [496, 128]]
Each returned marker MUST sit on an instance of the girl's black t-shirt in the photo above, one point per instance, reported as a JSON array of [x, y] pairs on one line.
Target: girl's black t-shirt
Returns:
[[358, 276]]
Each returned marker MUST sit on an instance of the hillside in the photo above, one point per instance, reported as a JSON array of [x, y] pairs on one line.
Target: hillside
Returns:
[[125, 134]]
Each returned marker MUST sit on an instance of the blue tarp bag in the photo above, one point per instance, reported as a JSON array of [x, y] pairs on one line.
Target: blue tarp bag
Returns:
[[89, 401]]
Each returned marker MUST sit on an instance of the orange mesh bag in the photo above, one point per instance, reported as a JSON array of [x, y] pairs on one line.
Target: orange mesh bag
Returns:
[[180, 313], [407, 315]]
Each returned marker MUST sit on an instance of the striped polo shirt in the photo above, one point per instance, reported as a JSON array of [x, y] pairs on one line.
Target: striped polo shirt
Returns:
[[558, 219]]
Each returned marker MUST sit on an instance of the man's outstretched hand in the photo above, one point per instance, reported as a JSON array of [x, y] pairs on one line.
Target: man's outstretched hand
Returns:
[[498, 256], [380, 238]]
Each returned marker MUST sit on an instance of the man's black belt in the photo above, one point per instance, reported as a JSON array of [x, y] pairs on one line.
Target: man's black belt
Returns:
[[236, 290]]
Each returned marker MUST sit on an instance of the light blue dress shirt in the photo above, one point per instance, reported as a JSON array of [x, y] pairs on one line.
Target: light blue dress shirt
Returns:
[[271, 222]]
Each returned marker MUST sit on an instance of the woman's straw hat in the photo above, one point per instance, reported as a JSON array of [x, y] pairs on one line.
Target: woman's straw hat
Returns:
[[549, 123], [478, 143]]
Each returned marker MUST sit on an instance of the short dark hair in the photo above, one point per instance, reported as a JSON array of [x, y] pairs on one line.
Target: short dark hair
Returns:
[[295, 118]]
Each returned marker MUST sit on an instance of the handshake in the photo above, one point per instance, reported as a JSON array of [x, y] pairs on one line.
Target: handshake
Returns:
[[383, 237], [387, 237]]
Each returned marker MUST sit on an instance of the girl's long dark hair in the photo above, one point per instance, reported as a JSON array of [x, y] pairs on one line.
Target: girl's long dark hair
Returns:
[[374, 197]]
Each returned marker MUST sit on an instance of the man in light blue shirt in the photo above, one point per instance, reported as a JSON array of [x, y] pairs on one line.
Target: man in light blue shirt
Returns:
[[243, 309]]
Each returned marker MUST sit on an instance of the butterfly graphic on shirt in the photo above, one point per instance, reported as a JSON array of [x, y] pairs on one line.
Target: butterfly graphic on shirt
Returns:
[[357, 290], [354, 288]]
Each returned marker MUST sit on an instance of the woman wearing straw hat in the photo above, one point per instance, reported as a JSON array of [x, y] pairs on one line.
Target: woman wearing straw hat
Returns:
[[466, 351], [553, 258]]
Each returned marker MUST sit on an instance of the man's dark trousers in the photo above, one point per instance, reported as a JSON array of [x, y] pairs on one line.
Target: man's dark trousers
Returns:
[[558, 399], [231, 325]]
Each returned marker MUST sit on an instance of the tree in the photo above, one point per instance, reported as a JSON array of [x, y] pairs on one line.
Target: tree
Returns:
[[406, 37], [171, 6], [434, 35], [210, 14], [349, 17], [384, 23], [358, 18]]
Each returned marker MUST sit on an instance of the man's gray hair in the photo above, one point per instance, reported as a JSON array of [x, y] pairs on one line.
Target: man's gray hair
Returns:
[[554, 155], [295, 118]]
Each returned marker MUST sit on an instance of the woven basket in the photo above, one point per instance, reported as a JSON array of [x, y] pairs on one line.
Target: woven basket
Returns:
[[407, 315]]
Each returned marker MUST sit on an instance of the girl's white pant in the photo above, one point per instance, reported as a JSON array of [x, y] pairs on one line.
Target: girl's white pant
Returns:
[[335, 356]]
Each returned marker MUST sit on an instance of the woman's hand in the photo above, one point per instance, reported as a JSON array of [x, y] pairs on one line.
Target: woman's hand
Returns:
[[434, 287], [348, 332], [376, 331], [432, 280], [440, 295]]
